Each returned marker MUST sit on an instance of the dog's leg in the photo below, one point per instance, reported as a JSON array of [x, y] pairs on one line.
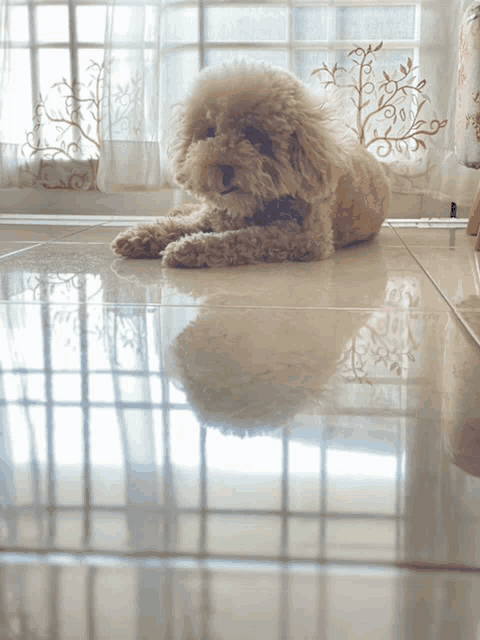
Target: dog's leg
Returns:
[[149, 240], [250, 245]]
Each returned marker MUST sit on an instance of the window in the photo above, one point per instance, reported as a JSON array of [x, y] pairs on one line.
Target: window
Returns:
[[56, 41]]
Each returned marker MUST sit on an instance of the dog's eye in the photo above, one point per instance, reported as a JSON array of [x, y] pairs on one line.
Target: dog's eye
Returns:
[[211, 132], [259, 139]]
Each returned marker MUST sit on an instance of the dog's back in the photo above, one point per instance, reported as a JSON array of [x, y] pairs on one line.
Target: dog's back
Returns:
[[363, 198]]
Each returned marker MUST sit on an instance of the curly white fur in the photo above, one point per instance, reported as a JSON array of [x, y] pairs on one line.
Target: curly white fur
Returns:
[[275, 178]]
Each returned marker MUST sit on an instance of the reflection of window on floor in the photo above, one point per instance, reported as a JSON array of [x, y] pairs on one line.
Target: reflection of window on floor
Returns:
[[89, 386]]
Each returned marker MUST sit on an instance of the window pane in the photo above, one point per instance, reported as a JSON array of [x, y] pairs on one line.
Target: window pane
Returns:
[[135, 24], [106, 458], [23, 386], [229, 454], [376, 23], [67, 387], [303, 537], [106, 449], [3, 531], [17, 114], [91, 24], [307, 61], [23, 346], [185, 457], [361, 540], [304, 464], [180, 25], [54, 64], [221, 56], [230, 24], [184, 439], [253, 463], [69, 484], [29, 531], [52, 24], [68, 453], [109, 531], [311, 23], [361, 481], [19, 435], [19, 24], [181, 69], [176, 396], [69, 530], [101, 387], [252, 535], [68, 436], [108, 486], [188, 535]]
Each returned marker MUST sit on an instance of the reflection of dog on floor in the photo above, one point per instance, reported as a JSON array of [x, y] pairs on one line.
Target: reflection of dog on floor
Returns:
[[461, 397], [248, 370], [276, 178]]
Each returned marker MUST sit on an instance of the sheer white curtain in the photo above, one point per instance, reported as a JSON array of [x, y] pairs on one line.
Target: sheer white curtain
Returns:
[[9, 160], [439, 31], [152, 52], [174, 42], [132, 155]]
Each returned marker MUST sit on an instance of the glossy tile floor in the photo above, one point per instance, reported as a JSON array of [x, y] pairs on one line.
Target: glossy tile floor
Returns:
[[263, 452]]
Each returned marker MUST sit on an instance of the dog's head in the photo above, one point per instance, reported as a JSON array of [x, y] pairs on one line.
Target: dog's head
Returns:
[[250, 136]]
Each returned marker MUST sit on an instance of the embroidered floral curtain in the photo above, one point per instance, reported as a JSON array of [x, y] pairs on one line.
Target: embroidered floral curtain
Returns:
[[101, 82]]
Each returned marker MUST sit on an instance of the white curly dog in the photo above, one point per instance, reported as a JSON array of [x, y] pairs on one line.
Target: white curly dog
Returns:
[[275, 178]]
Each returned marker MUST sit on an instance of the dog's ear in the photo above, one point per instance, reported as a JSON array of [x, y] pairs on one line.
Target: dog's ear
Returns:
[[176, 141], [316, 156]]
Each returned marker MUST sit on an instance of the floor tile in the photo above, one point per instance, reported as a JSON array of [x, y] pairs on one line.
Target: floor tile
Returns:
[[129, 602], [451, 261], [110, 229], [472, 318], [364, 404], [300, 440], [11, 247], [36, 233], [100, 234], [389, 236], [456, 238], [365, 276]]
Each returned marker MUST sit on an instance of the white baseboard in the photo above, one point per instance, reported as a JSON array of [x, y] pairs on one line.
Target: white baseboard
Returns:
[[24, 201], [158, 203], [421, 206]]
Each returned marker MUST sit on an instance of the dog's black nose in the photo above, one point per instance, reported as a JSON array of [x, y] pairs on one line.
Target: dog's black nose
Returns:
[[228, 174]]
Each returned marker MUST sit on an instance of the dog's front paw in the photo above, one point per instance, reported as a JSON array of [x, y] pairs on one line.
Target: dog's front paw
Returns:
[[186, 252], [142, 241]]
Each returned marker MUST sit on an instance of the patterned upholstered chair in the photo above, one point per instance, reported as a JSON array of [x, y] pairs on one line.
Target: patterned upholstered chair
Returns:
[[467, 116]]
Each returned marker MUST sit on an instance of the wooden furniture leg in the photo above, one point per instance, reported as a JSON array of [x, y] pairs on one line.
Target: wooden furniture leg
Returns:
[[467, 149], [473, 226]]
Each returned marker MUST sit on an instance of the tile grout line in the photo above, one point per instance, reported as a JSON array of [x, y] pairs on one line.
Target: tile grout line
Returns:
[[233, 307], [388, 224], [75, 557], [461, 320], [52, 240]]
